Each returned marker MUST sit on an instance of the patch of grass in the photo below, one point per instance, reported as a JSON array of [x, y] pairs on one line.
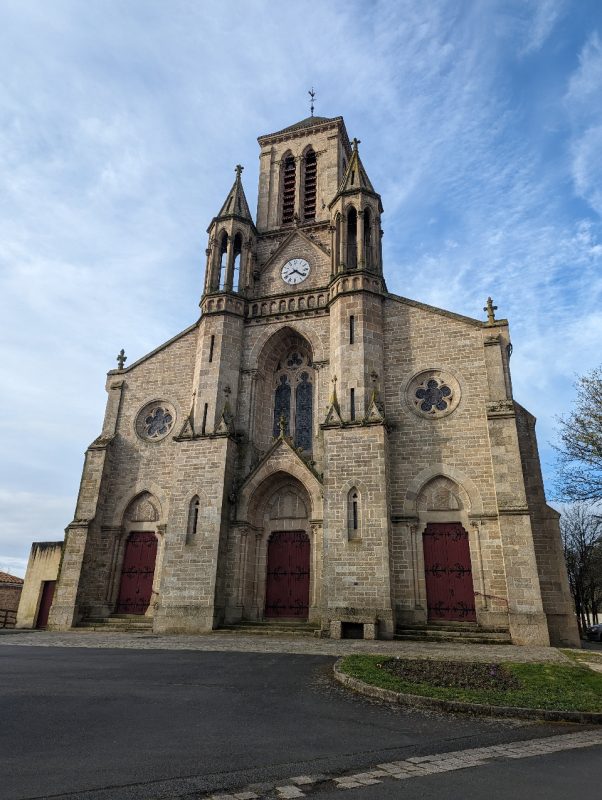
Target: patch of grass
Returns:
[[559, 687], [590, 656]]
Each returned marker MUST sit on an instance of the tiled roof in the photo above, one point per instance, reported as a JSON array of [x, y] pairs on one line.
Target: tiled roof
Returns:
[[308, 122], [6, 578]]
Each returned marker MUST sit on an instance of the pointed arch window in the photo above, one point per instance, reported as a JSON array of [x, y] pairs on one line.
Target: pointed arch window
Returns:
[[289, 175], [368, 255], [193, 519], [309, 186], [293, 399], [223, 260], [237, 255], [354, 517], [351, 262], [282, 405]]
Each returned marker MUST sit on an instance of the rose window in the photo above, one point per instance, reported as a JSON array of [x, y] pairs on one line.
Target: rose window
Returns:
[[432, 396], [432, 393], [155, 421], [158, 423]]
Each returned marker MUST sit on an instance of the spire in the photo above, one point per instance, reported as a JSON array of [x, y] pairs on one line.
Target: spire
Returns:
[[356, 176], [236, 203]]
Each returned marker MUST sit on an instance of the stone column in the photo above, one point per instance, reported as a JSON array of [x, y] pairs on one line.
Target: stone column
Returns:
[[316, 570], [333, 254]]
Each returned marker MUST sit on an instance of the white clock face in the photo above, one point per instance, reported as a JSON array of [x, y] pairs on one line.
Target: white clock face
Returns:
[[295, 271]]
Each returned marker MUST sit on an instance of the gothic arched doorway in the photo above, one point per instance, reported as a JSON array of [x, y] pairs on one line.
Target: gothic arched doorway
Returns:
[[136, 586], [287, 579], [448, 573], [139, 548]]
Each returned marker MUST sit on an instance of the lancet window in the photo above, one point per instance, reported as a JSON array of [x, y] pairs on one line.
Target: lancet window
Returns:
[[289, 174], [368, 255], [193, 519], [237, 255], [223, 259], [293, 399], [354, 522], [351, 238], [309, 186]]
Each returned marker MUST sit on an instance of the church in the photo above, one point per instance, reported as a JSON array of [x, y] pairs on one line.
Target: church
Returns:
[[314, 449]]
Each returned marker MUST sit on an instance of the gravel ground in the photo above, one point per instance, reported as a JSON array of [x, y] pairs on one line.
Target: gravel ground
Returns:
[[234, 642]]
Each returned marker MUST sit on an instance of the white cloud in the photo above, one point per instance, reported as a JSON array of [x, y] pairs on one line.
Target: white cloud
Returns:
[[119, 133]]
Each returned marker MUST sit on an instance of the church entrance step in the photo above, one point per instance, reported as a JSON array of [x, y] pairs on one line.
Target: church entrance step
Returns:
[[118, 622], [466, 634], [279, 628]]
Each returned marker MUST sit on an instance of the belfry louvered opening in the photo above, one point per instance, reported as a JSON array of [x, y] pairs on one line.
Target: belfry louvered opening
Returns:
[[288, 189], [309, 183]]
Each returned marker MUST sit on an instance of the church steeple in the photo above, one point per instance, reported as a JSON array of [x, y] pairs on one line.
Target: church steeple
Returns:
[[355, 212], [231, 243], [355, 178], [236, 204]]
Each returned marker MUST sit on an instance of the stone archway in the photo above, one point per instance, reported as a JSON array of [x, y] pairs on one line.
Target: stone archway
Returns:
[[136, 584], [278, 549]]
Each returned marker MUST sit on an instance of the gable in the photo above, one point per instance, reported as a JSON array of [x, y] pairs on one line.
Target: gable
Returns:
[[296, 245]]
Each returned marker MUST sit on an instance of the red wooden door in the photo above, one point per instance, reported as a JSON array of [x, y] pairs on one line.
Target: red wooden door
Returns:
[[137, 573], [45, 603], [287, 586], [449, 589]]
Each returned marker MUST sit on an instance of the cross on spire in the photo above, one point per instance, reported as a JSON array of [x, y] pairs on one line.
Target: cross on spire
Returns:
[[356, 142], [312, 94], [121, 359], [490, 309], [238, 169]]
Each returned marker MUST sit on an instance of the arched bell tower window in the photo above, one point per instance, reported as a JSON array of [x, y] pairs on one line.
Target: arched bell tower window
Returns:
[[193, 519], [368, 254], [289, 174], [293, 399], [223, 259], [237, 254], [351, 262], [309, 186], [354, 522]]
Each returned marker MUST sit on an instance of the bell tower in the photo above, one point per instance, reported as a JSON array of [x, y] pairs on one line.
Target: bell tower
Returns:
[[300, 169]]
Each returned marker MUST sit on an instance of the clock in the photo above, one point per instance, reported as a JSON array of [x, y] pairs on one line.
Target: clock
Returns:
[[295, 271]]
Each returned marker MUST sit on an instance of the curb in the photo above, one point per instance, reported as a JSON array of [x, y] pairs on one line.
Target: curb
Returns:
[[455, 706]]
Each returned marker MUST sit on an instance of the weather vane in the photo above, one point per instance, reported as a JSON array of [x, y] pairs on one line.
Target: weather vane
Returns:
[[312, 94]]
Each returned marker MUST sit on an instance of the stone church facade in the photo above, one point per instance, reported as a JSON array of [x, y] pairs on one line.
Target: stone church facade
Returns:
[[316, 448]]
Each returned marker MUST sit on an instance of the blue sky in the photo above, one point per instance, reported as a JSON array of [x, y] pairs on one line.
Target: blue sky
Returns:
[[120, 126]]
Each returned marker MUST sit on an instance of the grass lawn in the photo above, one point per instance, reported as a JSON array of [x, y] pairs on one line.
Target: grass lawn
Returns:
[[588, 656], [560, 687]]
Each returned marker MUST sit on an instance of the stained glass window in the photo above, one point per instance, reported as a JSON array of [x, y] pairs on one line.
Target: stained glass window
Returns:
[[158, 423], [433, 396], [282, 406], [303, 413]]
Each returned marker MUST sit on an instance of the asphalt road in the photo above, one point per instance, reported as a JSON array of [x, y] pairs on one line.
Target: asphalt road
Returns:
[[100, 724]]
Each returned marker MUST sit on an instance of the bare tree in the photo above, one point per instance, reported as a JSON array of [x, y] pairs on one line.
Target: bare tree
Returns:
[[581, 528], [580, 448]]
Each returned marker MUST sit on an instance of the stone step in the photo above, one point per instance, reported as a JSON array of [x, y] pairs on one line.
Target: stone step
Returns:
[[122, 623], [441, 639], [88, 626], [462, 636], [468, 627], [270, 629]]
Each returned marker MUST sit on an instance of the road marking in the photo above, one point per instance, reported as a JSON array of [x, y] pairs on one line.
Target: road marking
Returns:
[[418, 766]]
